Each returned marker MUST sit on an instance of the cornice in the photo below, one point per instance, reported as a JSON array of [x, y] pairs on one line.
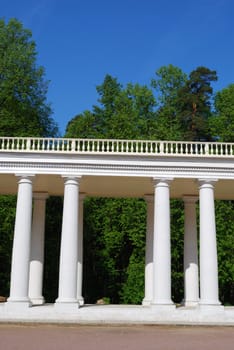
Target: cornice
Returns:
[[126, 169]]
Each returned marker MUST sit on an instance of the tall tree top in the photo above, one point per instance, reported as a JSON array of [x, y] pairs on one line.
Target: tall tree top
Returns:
[[24, 110]]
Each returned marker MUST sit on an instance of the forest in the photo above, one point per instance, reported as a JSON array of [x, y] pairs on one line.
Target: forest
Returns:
[[174, 105]]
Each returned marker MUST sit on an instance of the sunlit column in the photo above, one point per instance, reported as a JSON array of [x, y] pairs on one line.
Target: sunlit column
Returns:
[[208, 250], [80, 250], [67, 295], [37, 249], [149, 251], [162, 246], [191, 284], [21, 244]]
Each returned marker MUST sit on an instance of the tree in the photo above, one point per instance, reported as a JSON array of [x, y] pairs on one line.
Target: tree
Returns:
[[123, 113], [222, 121], [194, 102], [24, 110], [169, 80]]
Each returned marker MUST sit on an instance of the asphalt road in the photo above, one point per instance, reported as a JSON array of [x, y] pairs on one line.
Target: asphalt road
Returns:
[[48, 337]]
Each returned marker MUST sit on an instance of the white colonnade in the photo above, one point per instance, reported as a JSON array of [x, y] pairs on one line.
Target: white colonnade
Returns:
[[28, 247]]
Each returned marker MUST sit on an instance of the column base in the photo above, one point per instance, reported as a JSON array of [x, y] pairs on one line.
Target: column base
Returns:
[[37, 301], [17, 305], [66, 305], [80, 301], [165, 306], [211, 307], [146, 302], [190, 303]]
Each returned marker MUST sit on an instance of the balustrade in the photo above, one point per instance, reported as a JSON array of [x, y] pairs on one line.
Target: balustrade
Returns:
[[134, 147]]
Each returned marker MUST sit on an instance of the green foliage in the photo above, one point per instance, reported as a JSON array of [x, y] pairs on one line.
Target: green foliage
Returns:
[[222, 122], [132, 291], [177, 249], [114, 230], [225, 246], [53, 226], [123, 113], [7, 216], [23, 107], [170, 80]]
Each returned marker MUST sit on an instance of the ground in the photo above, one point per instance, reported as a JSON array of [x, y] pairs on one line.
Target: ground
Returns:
[[47, 337]]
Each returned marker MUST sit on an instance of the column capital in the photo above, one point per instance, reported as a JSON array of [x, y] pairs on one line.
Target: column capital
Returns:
[[207, 182], [25, 178], [163, 182], [71, 179]]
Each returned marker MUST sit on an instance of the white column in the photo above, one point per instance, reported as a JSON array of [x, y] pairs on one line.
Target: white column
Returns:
[[80, 251], [67, 295], [191, 284], [208, 251], [162, 246], [21, 245], [149, 251], [37, 249]]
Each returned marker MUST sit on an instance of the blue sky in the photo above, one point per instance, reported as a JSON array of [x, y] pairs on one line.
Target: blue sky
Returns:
[[80, 41]]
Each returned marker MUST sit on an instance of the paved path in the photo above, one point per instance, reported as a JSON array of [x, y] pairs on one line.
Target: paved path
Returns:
[[115, 338]]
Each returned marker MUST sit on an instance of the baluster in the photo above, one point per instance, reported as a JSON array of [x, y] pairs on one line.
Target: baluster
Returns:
[[8, 144], [161, 147], [78, 145], [25, 144], [138, 146]]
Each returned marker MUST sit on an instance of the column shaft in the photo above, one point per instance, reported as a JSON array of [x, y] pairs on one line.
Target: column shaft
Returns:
[[21, 243], [69, 244], [191, 284], [208, 249], [162, 250], [80, 251], [37, 249], [149, 251]]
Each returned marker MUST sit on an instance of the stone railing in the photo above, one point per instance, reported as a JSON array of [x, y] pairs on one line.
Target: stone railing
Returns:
[[130, 147]]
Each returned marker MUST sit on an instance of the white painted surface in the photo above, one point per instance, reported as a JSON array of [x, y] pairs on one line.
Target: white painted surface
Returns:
[[162, 247], [37, 249], [209, 293], [149, 251], [21, 243], [69, 245], [191, 282]]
